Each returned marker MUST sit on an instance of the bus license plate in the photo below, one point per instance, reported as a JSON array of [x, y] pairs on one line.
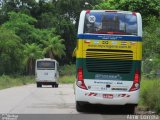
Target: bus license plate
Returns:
[[108, 96]]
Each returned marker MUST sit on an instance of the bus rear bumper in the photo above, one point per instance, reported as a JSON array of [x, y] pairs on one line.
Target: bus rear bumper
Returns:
[[46, 80], [106, 98]]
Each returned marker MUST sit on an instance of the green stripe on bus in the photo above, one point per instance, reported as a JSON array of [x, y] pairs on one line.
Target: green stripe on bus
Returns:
[[116, 69]]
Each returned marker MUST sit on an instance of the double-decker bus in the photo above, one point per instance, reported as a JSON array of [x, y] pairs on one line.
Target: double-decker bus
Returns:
[[108, 58]]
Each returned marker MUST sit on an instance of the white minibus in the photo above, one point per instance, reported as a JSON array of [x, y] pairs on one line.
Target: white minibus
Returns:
[[47, 72]]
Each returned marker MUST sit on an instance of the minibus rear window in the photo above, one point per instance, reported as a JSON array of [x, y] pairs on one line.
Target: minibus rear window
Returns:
[[45, 65]]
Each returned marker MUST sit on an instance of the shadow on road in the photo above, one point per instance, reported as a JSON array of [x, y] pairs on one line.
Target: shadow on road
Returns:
[[106, 110]]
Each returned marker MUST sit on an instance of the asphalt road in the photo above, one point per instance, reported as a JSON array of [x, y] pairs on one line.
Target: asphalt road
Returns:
[[32, 100], [32, 103]]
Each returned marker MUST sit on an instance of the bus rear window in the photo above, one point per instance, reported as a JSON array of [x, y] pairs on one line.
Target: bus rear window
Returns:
[[45, 65], [110, 23]]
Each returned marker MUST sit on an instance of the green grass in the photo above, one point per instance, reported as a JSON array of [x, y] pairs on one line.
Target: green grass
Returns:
[[150, 94], [11, 81], [67, 74], [67, 70], [67, 79]]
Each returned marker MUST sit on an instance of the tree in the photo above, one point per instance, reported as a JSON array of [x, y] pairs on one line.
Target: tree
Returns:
[[10, 52], [64, 16], [147, 8], [22, 25], [31, 53], [108, 5], [151, 43], [54, 47]]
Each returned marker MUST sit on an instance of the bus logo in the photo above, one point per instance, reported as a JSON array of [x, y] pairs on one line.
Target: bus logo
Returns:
[[91, 19]]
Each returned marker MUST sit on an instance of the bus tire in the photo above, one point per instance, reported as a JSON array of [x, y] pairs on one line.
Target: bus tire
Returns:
[[39, 85], [53, 85], [79, 106], [131, 109]]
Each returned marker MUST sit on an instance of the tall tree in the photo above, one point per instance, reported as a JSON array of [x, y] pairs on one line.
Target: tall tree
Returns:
[[31, 53], [54, 47], [23, 26], [10, 52], [147, 8]]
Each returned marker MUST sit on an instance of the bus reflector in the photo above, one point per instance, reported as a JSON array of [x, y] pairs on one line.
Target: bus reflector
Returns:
[[136, 82], [80, 81], [87, 11], [134, 13]]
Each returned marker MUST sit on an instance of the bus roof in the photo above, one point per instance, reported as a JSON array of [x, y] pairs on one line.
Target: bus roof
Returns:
[[116, 11], [46, 59]]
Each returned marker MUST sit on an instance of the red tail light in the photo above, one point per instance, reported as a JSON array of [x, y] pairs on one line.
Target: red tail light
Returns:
[[80, 73], [80, 81], [136, 76], [136, 82]]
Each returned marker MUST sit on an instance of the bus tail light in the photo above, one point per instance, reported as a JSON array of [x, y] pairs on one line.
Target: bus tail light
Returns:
[[136, 82], [80, 81]]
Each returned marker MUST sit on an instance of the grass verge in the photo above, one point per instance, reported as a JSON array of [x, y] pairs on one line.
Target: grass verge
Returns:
[[67, 79], [150, 95], [67, 74], [11, 81]]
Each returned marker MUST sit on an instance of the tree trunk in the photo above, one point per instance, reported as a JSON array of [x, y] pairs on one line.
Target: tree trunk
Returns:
[[51, 55]]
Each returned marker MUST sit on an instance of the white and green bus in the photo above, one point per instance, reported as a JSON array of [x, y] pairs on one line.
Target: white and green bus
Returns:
[[108, 58]]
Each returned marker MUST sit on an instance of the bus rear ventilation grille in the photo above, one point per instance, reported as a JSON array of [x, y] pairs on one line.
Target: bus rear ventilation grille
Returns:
[[109, 54], [109, 61]]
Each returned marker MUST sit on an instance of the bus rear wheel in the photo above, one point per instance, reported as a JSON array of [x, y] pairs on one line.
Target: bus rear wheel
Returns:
[[130, 109], [79, 106], [56, 85]]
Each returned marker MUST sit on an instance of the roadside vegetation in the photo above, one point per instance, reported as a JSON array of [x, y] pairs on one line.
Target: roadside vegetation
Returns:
[[150, 95], [11, 81], [67, 76]]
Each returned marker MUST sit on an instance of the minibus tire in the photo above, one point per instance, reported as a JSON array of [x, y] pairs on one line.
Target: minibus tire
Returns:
[[56, 85], [53, 85]]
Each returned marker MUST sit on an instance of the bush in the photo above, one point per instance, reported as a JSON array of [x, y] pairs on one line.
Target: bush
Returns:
[[67, 70], [10, 81], [150, 94], [67, 79], [67, 73]]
